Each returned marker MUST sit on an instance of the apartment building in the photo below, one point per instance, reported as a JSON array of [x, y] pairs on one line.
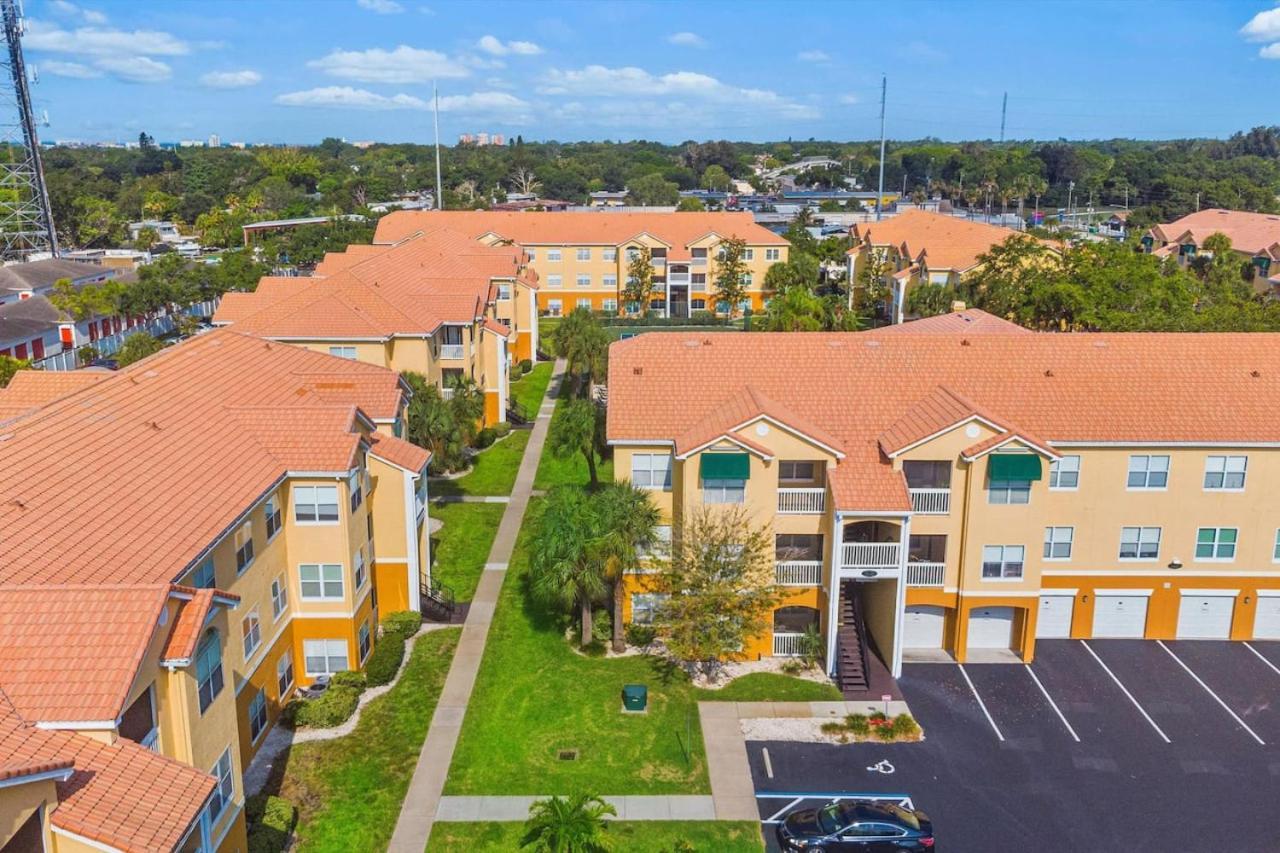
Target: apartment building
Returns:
[[582, 257], [1255, 237], [187, 542], [435, 302], [964, 489]]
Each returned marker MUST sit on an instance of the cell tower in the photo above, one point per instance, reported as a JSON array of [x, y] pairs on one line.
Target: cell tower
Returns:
[[26, 218]]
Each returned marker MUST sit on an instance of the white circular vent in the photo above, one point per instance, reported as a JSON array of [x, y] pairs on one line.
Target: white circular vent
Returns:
[[762, 429], [972, 431]]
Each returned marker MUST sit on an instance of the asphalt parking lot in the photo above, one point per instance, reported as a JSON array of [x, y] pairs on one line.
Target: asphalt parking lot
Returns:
[[1100, 745]]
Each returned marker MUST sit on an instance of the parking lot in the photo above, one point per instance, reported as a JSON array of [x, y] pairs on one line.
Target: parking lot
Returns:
[[1098, 745]]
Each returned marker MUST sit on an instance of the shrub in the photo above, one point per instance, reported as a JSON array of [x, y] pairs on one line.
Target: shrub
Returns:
[[403, 622], [905, 727], [640, 635], [485, 437], [857, 723], [792, 666], [602, 625], [332, 707], [832, 728], [501, 429], [384, 663], [271, 820], [526, 365], [347, 678]]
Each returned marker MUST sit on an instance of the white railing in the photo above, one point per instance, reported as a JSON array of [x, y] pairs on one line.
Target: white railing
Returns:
[[152, 740], [925, 574], [870, 555], [451, 351], [805, 501], [798, 572], [678, 278], [446, 393], [931, 501], [787, 645], [108, 345]]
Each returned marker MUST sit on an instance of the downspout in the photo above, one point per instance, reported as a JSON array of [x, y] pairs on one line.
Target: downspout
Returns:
[[413, 574], [833, 592], [900, 607]]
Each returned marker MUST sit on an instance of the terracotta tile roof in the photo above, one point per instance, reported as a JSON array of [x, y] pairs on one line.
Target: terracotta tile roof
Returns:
[[19, 769], [181, 645], [120, 795], [973, 451], [742, 407], [943, 242], [1253, 233], [973, 321], [311, 438], [1143, 387], [398, 452], [492, 325], [29, 389]]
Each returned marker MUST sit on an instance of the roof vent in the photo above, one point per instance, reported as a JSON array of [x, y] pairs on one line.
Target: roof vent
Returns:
[[18, 503], [873, 343], [1049, 373], [706, 342], [1255, 373], [964, 342], [637, 371], [155, 425]]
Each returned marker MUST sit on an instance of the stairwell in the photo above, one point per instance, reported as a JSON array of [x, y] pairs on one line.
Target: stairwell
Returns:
[[851, 642]]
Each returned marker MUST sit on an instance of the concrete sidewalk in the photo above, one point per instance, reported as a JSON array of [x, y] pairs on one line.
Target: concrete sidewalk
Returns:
[[424, 796]]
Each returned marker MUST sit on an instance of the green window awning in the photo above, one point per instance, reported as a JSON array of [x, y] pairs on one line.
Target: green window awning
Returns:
[[724, 466], [1014, 466]]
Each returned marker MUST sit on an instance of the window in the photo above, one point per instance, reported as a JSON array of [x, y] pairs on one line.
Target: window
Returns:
[[555, 307], [644, 605], [531, 254], [1009, 492], [209, 669], [279, 597], [251, 633], [1224, 473], [224, 788], [325, 657], [1148, 472], [315, 504], [343, 352], [1275, 553], [651, 470], [203, 578], [747, 279], [284, 672], [699, 282], [772, 254], [244, 546], [584, 254], [553, 281], [257, 715], [698, 304], [1216, 543], [610, 305], [1002, 561], [1064, 473], [585, 302], [359, 572], [791, 547], [354, 483], [724, 491], [1057, 542], [504, 291], [584, 281], [795, 472], [611, 281], [1139, 543], [272, 513], [362, 636], [748, 254], [321, 582], [553, 254]]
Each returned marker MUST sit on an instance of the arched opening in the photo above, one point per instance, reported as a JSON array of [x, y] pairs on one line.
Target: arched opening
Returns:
[[872, 531], [790, 624]]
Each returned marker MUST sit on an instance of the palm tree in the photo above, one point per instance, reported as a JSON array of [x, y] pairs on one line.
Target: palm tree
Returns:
[[467, 405], [629, 519], [575, 429], [568, 825], [564, 569], [584, 344]]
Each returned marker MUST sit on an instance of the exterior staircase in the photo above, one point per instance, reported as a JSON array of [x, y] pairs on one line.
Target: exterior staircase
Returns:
[[852, 672], [438, 603]]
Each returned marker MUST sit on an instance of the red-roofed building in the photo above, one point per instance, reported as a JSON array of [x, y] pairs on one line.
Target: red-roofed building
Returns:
[[1255, 237]]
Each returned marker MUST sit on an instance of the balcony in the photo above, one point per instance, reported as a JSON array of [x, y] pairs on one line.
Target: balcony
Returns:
[[870, 555], [446, 393], [451, 351], [802, 501], [931, 501], [797, 572], [787, 645], [925, 574]]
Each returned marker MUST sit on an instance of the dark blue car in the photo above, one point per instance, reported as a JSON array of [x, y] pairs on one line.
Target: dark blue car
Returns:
[[853, 825]]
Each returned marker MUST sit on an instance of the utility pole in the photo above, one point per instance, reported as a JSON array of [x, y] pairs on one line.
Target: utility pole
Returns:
[[26, 217], [1004, 110], [884, 88], [1197, 202], [435, 90], [1126, 196], [904, 184], [1071, 187]]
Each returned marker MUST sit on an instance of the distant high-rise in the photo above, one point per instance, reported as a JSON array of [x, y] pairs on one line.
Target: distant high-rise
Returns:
[[215, 141]]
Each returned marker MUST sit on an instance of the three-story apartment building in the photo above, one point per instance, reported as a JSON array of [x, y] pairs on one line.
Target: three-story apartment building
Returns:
[[966, 486]]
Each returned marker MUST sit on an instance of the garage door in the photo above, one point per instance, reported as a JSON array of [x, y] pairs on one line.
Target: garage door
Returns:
[[1054, 621], [991, 628], [922, 627], [1120, 616], [1205, 617], [1266, 621]]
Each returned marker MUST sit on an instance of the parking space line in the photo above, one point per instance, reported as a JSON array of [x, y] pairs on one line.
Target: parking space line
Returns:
[[981, 704], [1053, 704], [1141, 710], [1215, 696], [1262, 658], [773, 818], [768, 765]]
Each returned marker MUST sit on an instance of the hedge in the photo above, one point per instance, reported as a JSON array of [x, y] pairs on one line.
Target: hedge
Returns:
[[348, 678], [484, 438], [330, 708], [403, 622], [271, 820], [384, 663], [501, 429]]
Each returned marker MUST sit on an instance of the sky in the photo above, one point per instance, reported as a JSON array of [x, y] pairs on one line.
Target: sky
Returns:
[[297, 71]]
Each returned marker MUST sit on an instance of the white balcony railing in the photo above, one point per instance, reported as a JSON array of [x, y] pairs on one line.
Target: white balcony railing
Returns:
[[453, 351], [931, 501], [798, 572], [925, 574], [787, 645], [446, 393], [870, 555], [678, 278], [802, 501]]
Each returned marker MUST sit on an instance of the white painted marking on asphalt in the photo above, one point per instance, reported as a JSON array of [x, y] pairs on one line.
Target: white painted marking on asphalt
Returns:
[[1052, 704], [1215, 696], [1141, 710], [981, 704], [900, 799], [768, 765], [1263, 659], [773, 818]]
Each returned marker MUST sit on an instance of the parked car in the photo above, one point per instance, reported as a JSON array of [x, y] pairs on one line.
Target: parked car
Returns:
[[109, 363], [856, 825]]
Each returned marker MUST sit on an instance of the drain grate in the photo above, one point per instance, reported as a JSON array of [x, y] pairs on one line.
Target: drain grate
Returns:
[[567, 755]]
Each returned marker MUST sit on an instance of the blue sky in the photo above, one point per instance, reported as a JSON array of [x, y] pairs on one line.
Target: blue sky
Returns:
[[300, 70]]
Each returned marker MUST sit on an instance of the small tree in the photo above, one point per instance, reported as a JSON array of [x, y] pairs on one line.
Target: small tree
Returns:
[[568, 825], [9, 366], [576, 429], [466, 406], [689, 204], [430, 424], [564, 569], [137, 346], [639, 282], [731, 270]]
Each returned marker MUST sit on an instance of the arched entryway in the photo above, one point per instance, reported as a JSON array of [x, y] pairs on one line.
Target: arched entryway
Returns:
[[790, 625]]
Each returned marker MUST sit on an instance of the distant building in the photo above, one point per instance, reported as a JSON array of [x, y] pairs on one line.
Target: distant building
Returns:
[[37, 278], [191, 143], [1255, 237], [608, 198], [165, 230], [119, 259], [215, 141]]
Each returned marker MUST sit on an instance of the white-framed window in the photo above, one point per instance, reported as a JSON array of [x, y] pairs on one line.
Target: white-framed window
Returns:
[[272, 512], [1064, 473], [651, 470], [257, 714], [610, 254], [1057, 542], [359, 568], [644, 605], [1002, 561], [279, 596], [585, 302], [661, 546], [748, 254], [610, 305], [244, 546], [315, 504], [553, 281], [795, 472], [553, 254], [747, 279], [203, 577], [584, 254], [633, 252], [610, 280], [697, 305], [504, 291], [251, 632], [209, 678], [772, 254], [1139, 543], [1225, 473], [355, 488], [1009, 491], [284, 672], [724, 491], [320, 581], [555, 307], [363, 642], [584, 280], [343, 352], [324, 657], [1216, 543], [531, 254], [225, 787], [1148, 472]]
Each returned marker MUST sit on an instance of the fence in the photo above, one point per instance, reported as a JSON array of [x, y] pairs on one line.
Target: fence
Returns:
[[801, 501]]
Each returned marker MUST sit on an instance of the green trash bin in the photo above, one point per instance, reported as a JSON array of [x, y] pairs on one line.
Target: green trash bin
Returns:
[[635, 697]]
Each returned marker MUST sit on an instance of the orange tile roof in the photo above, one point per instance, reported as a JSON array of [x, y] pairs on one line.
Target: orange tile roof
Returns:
[[1142, 387], [943, 242], [972, 321], [181, 645], [29, 389], [1253, 233], [398, 452], [745, 407], [19, 769]]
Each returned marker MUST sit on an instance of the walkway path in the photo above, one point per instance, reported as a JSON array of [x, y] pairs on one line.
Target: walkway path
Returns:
[[425, 790]]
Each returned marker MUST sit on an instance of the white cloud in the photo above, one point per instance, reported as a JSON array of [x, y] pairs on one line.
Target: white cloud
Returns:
[[69, 69], [849, 99], [404, 64], [491, 103], [496, 47], [1264, 26], [351, 98], [71, 10], [135, 69], [636, 82], [687, 39], [381, 7], [102, 41], [813, 56], [1271, 51], [230, 79]]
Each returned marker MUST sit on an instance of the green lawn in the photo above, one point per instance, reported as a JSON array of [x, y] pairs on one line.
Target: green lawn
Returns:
[[771, 687], [652, 836], [493, 470], [348, 791], [556, 471], [461, 547], [528, 390]]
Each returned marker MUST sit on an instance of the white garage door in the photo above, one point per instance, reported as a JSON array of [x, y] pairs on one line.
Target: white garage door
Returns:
[[1120, 616], [922, 627], [1054, 621], [1266, 620], [991, 628], [1205, 617]]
